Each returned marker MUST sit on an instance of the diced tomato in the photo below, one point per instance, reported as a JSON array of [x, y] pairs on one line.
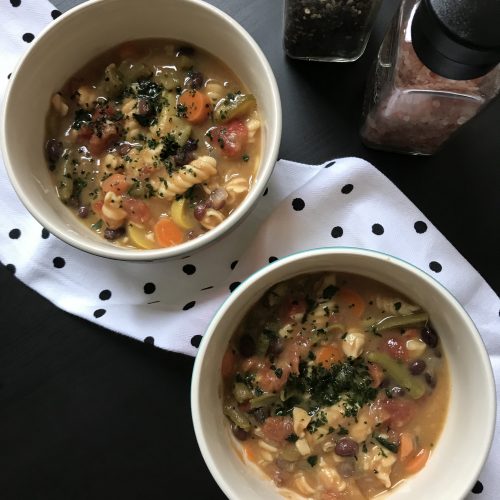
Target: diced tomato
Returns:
[[97, 206], [100, 142], [401, 411], [230, 139], [396, 348], [277, 429], [84, 134], [117, 183], [270, 382], [137, 210], [376, 374]]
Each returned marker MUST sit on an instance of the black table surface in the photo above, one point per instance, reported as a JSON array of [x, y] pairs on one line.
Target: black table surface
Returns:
[[86, 413]]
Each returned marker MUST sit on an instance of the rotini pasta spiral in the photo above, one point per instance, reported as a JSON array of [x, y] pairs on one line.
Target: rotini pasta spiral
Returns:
[[235, 187], [214, 90], [179, 182], [252, 126]]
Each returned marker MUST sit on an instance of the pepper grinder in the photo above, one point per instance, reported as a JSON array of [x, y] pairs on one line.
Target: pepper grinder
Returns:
[[328, 30], [437, 68]]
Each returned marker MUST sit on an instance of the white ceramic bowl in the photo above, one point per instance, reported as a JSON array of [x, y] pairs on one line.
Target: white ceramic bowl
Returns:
[[73, 40], [465, 441]]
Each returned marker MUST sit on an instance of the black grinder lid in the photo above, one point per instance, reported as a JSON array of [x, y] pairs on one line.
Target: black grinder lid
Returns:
[[457, 39]]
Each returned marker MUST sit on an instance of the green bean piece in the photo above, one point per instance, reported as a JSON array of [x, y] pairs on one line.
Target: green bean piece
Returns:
[[233, 106], [290, 453], [242, 392], [420, 318], [236, 416], [264, 400], [113, 82], [401, 375]]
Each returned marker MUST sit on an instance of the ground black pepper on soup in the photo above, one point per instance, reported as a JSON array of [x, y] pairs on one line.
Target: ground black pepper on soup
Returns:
[[336, 386], [153, 143]]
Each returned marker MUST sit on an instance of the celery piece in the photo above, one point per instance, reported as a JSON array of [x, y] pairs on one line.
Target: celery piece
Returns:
[[401, 375], [242, 392], [266, 399], [236, 416], [233, 106], [420, 318], [263, 342]]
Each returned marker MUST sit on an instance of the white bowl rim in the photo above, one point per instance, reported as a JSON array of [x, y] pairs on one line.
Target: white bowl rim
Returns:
[[196, 381], [186, 248]]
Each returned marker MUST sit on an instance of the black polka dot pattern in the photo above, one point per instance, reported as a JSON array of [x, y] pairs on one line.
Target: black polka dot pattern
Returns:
[[149, 340], [189, 305], [189, 269], [347, 188], [420, 226], [55, 13], [14, 234], [105, 295], [45, 234], [378, 229], [265, 192], [435, 266], [337, 232], [8, 76], [328, 165], [234, 264], [207, 288], [195, 341], [234, 286], [15, 3], [149, 288], [478, 487], [11, 268], [298, 204], [28, 37], [99, 313], [58, 262], [272, 259]]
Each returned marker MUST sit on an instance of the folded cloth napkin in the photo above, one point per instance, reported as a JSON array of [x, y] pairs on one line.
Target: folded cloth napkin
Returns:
[[346, 202]]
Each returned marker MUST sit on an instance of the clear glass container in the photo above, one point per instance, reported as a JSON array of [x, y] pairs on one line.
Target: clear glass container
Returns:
[[328, 30], [408, 108]]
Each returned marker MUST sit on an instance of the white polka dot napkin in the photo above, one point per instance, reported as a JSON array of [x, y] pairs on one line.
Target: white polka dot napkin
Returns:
[[343, 203]]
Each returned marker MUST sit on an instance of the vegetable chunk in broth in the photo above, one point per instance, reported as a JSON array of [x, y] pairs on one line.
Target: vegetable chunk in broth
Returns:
[[335, 386], [153, 143]]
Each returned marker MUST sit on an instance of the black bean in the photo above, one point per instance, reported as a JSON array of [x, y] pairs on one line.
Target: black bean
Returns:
[[54, 150], [261, 414], [123, 148], [397, 392], [194, 80], [144, 107], [246, 346], [191, 145], [431, 381], [417, 367], [83, 212], [276, 347], [113, 234], [429, 336], [346, 447], [239, 433]]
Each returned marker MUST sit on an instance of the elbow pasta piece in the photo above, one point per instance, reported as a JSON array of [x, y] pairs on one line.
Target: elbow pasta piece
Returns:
[[252, 126], [87, 96], [329, 477], [378, 462], [111, 162], [320, 315], [395, 305], [215, 90], [212, 218], [235, 187], [132, 127], [302, 485], [59, 104], [301, 420], [196, 172], [267, 446]]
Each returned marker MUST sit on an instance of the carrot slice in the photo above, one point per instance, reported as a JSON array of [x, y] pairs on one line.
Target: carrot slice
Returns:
[[418, 461], [329, 354], [406, 445], [117, 183], [167, 233], [197, 106], [350, 301]]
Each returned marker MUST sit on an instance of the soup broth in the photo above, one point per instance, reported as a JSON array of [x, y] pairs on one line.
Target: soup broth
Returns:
[[336, 386], [153, 143]]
